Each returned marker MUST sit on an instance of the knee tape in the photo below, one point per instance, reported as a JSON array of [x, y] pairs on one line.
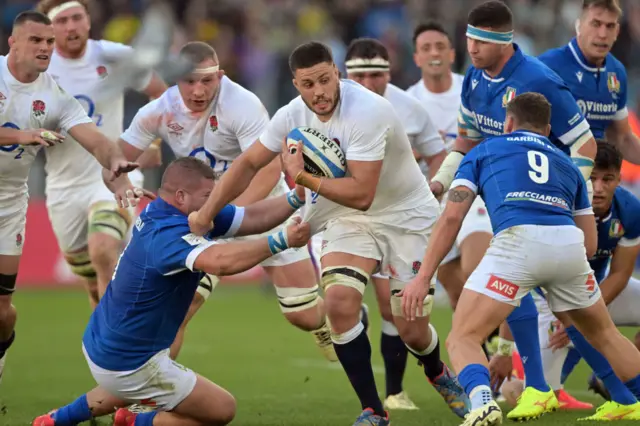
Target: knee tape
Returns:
[[297, 299], [106, 217], [7, 284], [80, 264], [396, 301], [347, 276], [206, 285]]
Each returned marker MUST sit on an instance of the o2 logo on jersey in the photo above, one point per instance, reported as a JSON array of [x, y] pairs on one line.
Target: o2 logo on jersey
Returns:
[[14, 147], [218, 166], [90, 107]]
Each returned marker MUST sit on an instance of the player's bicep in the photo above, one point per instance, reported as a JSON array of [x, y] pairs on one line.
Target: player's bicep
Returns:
[[582, 205], [624, 258], [459, 200], [468, 175], [567, 122], [176, 250]]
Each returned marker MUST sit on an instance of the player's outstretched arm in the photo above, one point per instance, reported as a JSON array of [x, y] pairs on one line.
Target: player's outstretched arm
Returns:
[[261, 185], [238, 256], [233, 183], [621, 135], [622, 266], [102, 148], [267, 214]]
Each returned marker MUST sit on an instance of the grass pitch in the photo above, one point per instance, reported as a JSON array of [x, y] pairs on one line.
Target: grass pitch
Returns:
[[239, 340]]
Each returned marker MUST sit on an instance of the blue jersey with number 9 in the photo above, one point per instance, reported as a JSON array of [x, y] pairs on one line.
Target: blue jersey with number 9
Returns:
[[524, 180]]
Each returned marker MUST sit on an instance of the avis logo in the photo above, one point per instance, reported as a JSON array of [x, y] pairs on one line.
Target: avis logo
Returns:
[[591, 283], [502, 287]]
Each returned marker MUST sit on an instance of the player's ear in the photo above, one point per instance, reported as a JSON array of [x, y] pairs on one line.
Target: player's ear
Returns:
[[547, 130], [12, 41], [180, 196], [509, 124], [295, 83], [577, 26], [220, 74], [452, 55]]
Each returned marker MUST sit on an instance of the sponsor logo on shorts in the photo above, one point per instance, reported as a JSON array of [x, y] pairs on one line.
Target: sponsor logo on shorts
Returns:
[[481, 211], [415, 268], [18, 240], [591, 283], [148, 402], [324, 244], [502, 287]]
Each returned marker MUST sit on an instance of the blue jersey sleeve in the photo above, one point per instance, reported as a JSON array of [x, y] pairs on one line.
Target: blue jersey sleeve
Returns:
[[468, 173], [582, 205], [468, 127], [175, 248], [621, 75], [567, 122], [629, 206], [227, 222]]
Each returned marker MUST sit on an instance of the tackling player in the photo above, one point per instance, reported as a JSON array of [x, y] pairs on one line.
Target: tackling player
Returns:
[[88, 223], [595, 77], [378, 218], [439, 91], [31, 101], [543, 221], [616, 211], [213, 118], [500, 72], [154, 284], [367, 62]]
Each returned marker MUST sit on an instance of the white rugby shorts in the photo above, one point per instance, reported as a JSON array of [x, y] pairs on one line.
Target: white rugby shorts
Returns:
[[521, 257], [12, 229], [160, 382]]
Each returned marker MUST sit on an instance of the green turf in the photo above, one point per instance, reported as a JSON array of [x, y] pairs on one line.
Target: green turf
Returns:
[[238, 340]]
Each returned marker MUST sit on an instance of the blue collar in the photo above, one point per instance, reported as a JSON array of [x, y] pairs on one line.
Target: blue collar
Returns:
[[582, 60], [509, 67]]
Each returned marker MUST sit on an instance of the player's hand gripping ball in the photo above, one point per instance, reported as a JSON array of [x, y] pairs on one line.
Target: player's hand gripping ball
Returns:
[[322, 156]]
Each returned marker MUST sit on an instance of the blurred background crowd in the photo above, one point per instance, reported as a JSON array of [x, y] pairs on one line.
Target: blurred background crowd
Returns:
[[254, 37]]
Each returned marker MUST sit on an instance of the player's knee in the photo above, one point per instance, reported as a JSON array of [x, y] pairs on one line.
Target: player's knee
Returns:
[[343, 286], [223, 409], [81, 265], [205, 288], [8, 312], [107, 218]]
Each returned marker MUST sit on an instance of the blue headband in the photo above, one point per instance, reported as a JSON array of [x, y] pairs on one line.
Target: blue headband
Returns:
[[489, 36]]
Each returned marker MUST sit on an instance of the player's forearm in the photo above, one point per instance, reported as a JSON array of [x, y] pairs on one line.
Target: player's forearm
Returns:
[[583, 152], [261, 185], [9, 136], [442, 239], [434, 162], [233, 257], [613, 285], [152, 156], [121, 181], [267, 214], [346, 191], [232, 184], [629, 146]]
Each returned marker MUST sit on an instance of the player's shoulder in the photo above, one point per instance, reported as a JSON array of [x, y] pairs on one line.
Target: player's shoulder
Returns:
[[614, 65], [627, 201], [555, 56], [394, 94], [237, 100], [414, 89], [108, 50], [360, 103]]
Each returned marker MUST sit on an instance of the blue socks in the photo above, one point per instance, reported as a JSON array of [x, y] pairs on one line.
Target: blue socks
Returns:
[[634, 386], [145, 419], [475, 380], [523, 322], [573, 358], [74, 413], [602, 368]]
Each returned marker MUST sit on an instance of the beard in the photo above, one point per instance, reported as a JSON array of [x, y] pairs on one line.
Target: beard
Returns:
[[334, 105]]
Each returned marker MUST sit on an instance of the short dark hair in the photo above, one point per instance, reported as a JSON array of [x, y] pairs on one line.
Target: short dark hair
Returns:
[[185, 171], [608, 157], [429, 26], [31, 16], [530, 110], [198, 51], [492, 14], [367, 48], [308, 55], [610, 5]]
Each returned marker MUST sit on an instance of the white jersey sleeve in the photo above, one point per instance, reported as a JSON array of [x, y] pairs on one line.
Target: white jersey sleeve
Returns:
[[275, 132], [71, 113], [368, 139], [117, 51], [144, 127], [250, 123]]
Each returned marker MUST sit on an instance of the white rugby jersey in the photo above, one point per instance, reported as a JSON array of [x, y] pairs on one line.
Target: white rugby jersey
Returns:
[[367, 128], [234, 120], [442, 107], [69, 164], [422, 133], [40, 104]]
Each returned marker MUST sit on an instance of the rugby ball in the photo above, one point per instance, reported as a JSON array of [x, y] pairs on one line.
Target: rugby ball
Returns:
[[322, 156]]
